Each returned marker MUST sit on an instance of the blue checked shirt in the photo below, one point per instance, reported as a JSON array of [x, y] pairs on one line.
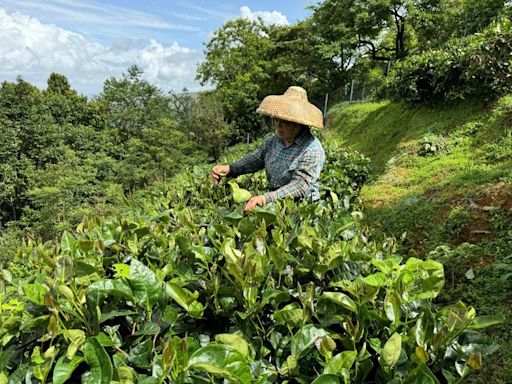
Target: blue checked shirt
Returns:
[[292, 171]]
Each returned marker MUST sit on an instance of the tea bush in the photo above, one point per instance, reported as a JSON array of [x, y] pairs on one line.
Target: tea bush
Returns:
[[186, 289], [476, 66]]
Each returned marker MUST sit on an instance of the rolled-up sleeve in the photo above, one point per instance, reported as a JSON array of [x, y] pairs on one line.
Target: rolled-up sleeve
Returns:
[[307, 172]]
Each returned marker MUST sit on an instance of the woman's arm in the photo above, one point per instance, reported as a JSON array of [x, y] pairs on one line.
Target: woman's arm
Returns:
[[251, 162]]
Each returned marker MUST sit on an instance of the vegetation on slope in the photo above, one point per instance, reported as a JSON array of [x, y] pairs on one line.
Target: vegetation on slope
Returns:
[[442, 183], [182, 288]]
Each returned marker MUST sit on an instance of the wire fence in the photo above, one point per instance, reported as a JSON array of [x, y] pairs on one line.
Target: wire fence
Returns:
[[353, 92]]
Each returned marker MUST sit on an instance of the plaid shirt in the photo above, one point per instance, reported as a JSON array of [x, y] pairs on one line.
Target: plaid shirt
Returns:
[[292, 171]]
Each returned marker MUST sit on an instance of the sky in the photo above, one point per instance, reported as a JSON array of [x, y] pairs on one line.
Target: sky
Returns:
[[89, 41]]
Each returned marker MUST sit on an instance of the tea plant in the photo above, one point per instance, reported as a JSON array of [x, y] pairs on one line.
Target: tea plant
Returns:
[[186, 289]]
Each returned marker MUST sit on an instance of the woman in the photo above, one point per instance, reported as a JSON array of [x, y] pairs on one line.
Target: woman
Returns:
[[292, 158]]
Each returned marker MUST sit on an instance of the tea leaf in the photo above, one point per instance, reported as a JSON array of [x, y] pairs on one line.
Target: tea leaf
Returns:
[[326, 379], [64, 368], [99, 361], [391, 351], [221, 360]]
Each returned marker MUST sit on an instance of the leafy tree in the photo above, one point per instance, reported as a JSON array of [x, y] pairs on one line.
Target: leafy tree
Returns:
[[437, 21], [238, 63], [359, 26], [30, 139], [208, 125], [300, 56], [132, 103]]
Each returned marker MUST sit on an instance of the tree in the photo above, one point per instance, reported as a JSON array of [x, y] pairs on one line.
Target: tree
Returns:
[[437, 21], [132, 103], [360, 26], [301, 57], [150, 143], [237, 62], [30, 139]]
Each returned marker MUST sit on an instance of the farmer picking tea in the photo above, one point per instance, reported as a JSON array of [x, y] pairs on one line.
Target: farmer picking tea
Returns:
[[292, 157]]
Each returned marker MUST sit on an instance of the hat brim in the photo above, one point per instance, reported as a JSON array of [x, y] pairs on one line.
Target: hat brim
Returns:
[[294, 110]]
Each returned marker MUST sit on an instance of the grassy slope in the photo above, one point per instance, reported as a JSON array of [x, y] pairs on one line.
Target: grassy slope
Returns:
[[454, 204]]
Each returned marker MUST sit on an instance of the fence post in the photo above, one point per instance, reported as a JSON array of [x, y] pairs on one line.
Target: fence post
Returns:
[[389, 66], [325, 108], [351, 91]]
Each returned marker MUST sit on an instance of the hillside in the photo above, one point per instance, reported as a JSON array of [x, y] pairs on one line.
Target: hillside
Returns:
[[441, 182]]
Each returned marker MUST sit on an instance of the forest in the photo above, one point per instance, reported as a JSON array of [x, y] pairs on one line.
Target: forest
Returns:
[[121, 262]]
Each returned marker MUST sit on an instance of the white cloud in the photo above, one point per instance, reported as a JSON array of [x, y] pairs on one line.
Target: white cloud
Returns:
[[273, 17], [34, 50], [92, 13]]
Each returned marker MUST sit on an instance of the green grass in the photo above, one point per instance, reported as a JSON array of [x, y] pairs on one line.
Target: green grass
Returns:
[[377, 129], [453, 203]]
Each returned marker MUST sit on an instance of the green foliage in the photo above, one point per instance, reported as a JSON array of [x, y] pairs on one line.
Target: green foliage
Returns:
[[63, 156], [183, 288], [457, 220], [237, 62], [437, 21], [452, 207], [202, 118], [431, 144], [349, 26], [476, 66]]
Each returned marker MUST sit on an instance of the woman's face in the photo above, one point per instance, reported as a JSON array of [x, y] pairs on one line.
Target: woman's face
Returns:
[[286, 130]]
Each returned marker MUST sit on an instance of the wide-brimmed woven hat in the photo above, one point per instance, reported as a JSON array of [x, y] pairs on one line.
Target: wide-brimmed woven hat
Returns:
[[293, 106]]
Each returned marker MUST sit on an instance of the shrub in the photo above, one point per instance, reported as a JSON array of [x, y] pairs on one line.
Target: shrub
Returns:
[[476, 66], [184, 288]]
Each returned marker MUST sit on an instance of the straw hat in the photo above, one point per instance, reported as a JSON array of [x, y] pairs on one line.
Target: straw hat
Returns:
[[293, 106]]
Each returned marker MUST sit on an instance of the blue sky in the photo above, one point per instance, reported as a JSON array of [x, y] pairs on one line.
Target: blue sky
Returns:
[[88, 41]]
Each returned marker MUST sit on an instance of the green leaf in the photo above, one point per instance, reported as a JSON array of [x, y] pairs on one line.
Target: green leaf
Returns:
[[392, 306], [378, 279], [481, 322], [387, 265], [340, 299], [391, 351], [185, 299], [64, 368], [424, 328], [291, 315], [326, 379], [305, 338], [421, 375], [235, 341], [289, 367], [240, 195], [325, 346], [83, 269], [65, 269], [235, 215], [221, 360], [139, 355], [113, 287], [115, 313], [122, 271], [343, 360], [77, 338], [124, 375], [145, 284], [99, 361], [35, 293]]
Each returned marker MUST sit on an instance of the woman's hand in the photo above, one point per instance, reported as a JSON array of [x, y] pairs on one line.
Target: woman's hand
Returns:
[[218, 171], [253, 202]]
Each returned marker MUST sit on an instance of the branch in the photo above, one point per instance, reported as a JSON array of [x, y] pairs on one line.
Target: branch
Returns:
[[373, 51]]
